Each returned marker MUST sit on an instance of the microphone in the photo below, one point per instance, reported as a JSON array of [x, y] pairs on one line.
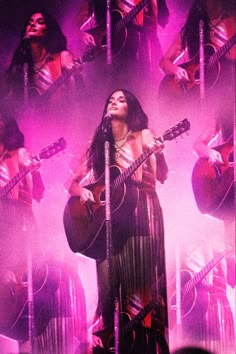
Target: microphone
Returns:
[[26, 40], [106, 124], [107, 116], [25, 47]]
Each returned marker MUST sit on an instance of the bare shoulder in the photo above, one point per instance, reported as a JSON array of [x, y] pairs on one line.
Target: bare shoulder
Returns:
[[67, 59], [24, 155], [147, 136]]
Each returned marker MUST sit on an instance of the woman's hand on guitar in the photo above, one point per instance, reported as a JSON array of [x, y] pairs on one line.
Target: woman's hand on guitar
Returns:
[[86, 196], [87, 39], [215, 157], [96, 342], [181, 74]]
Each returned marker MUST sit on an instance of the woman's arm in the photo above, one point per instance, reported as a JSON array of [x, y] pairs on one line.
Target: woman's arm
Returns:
[[161, 168], [81, 17], [34, 179], [76, 186], [201, 144], [167, 62]]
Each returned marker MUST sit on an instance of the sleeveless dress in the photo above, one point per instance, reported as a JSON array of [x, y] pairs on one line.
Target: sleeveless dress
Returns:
[[139, 253]]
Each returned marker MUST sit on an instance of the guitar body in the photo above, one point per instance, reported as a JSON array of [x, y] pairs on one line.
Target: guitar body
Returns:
[[213, 186], [122, 37], [14, 302], [194, 302], [170, 88], [85, 225], [126, 340]]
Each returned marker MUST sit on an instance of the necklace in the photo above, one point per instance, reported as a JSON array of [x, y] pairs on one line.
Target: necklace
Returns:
[[120, 143], [39, 65]]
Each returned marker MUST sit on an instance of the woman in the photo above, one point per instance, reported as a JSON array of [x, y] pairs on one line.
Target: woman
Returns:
[[38, 61], [14, 157], [17, 224], [136, 49], [219, 26], [138, 259]]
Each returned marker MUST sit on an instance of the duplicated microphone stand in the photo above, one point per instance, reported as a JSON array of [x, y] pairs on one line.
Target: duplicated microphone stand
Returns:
[[113, 305], [25, 228]]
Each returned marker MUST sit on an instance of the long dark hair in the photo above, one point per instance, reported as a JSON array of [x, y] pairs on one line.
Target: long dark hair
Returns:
[[190, 31], [13, 137], [197, 12], [137, 120], [54, 42]]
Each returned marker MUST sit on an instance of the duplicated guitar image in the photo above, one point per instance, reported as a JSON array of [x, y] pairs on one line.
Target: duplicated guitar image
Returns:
[[194, 295], [213, 186], [169, 86], [14, 300], [46, 278], [45, 153], [84, 224], [127, 329], [37, 98], [119, 35]]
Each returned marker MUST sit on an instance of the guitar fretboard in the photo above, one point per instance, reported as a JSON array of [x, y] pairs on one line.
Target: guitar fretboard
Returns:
[[11, 184], [130, 15], [137, 319], [132, 168], [203, 272], [170, 134], [222, 51]]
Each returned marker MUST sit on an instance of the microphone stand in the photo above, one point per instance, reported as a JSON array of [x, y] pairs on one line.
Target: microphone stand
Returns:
[[112, 306], [202, 68], [25, 53], [108, 31]]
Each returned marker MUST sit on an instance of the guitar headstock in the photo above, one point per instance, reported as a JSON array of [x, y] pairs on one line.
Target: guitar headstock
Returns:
[[178, 129], [52, 149]]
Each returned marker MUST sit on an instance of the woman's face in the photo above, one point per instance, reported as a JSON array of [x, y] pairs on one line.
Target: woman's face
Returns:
[[117, 105], [36, 26]]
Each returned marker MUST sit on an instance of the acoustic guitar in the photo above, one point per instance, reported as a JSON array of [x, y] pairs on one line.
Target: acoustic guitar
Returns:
[[44, 154], [119, 30], [170, 88], [194, 294], [127, 330], [213, 186], [38, 98], [14, 300], [85, 224]]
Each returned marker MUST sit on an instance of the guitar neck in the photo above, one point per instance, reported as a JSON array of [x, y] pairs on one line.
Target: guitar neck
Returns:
[[137, 319], [170, 134], [132, 168], [13, 182], [203, 272], [47, 152], [222, 51], [130, 15], [48, 93]]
